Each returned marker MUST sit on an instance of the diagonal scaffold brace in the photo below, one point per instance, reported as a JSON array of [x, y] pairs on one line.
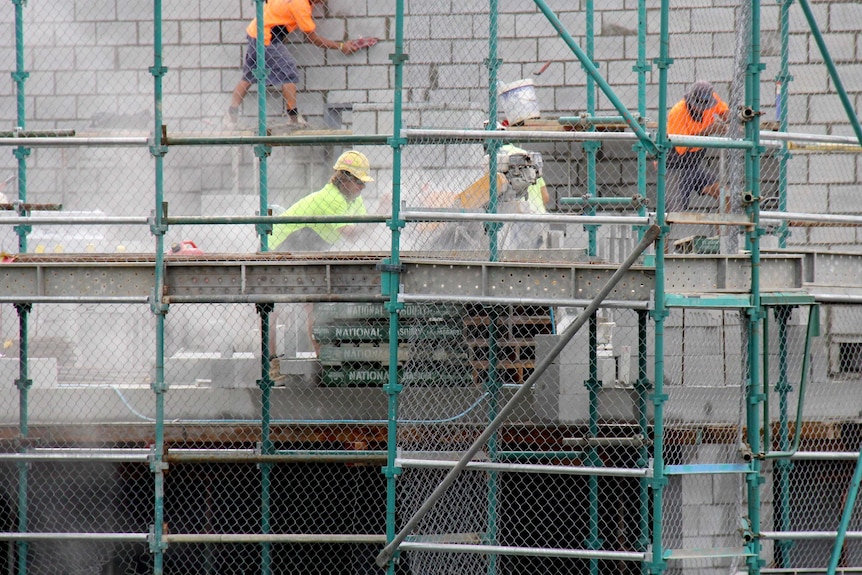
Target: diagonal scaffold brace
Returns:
[[388, 552]]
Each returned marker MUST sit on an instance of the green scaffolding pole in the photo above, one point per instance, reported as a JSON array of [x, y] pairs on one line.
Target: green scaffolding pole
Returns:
[[265, 383], [593, 385], [493, 384], [782, 466], [658, 564], [782, 89], [159, 309], [754, 390], [642, 68], [591, 148], [261, 151], [23, 383], [642, 387], [390, 282], [21, 153]]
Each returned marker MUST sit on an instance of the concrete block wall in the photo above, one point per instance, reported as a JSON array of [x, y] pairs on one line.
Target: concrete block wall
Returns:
[[88, 63], [91, 57]]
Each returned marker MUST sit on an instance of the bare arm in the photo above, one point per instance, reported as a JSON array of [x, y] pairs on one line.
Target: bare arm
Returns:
[[321, 42], [546, 197]]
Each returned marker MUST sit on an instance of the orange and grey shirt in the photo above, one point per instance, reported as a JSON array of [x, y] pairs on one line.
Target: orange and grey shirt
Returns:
[[291, 14], [680, 122]]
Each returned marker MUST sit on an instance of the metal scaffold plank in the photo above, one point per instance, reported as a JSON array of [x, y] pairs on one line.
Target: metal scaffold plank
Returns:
[[216, 279], [35, 281], [264, 277], [708, 273], [483, 279]]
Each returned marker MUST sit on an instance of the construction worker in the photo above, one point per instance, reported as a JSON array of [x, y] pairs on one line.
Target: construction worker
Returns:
[[340, 197], [280, 17], [529, 235], [700, 113]]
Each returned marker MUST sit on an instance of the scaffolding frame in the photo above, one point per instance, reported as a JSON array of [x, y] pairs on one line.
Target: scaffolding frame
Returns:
[[653, 476]]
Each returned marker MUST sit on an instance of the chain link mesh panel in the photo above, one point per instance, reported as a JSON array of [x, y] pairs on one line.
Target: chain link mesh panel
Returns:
[[274, 414]]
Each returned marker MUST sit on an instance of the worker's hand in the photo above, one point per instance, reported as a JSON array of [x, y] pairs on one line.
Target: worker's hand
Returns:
[[348, 47], [717, 128]]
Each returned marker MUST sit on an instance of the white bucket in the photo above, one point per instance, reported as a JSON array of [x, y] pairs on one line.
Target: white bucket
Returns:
[[518, 101]]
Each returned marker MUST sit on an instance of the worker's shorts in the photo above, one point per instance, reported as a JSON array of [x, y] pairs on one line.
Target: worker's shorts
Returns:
[[692, 177], [280, 63]]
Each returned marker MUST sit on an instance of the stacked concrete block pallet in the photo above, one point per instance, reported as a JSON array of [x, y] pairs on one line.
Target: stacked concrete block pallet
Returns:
[[354, 338]]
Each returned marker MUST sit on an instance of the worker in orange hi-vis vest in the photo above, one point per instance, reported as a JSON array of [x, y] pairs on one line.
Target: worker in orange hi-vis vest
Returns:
[[701, 112], [280, 17]]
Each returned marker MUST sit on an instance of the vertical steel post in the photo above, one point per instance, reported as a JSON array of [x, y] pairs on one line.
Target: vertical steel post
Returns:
[[591, 148], [265, 384], [492, 146], [261, 151], [658, 564], [782, 466], [21, 153], [782, 89], [642, 68], [23, 383], [754, 389], [158, 228], [593, 385], [642, 386], [391, 282], [493, 384]]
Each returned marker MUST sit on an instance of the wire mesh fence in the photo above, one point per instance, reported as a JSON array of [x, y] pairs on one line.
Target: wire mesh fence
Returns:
[[238, 421]]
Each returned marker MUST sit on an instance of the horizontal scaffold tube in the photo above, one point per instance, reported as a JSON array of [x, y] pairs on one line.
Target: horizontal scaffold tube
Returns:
[[77, 142], [524, 551], [525, 468], [227, 456], [435, 216], [75, 456], [275, 298], [814, 218], [808, 535], [273, 538], [81, 299], [199, 220], [411, 134], [128, 537], [74, 220]]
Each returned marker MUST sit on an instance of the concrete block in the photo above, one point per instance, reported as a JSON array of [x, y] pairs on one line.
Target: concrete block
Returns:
[[844, 17], [367, 28], [207, 369], [824, 236], [533, 26], [57, 108], [324, 77], [696, 491], [516, 7], [370, 78]]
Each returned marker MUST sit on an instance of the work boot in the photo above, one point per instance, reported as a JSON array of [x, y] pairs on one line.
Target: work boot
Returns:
[[231, 119], [295, 120]]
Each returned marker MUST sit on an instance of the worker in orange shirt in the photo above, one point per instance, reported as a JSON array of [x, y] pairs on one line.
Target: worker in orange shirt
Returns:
[[701, 112], [280, 17]]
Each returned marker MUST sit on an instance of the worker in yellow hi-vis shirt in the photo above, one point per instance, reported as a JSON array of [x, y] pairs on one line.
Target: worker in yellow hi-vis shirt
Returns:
[[342, 196]]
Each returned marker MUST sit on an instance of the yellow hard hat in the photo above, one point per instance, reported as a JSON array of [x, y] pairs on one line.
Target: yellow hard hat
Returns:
[[355, 164]]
